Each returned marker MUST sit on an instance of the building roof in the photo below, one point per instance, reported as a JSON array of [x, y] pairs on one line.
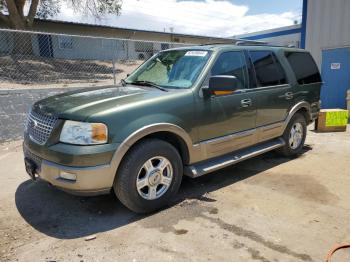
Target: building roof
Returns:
[[285, 30], [128, 29]]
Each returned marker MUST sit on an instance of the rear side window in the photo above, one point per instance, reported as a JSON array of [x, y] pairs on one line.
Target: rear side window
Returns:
[[268, 70], [233, 64], [304, 67]]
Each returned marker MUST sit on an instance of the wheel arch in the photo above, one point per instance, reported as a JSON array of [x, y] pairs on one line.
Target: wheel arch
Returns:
[[303, 111], [173, 139], [171, 133], [302, 107]]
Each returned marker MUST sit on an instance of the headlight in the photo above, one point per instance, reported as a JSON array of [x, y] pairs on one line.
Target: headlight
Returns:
[[82, 133]]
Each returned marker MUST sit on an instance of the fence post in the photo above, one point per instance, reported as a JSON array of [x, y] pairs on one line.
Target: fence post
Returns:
[[114, 72]]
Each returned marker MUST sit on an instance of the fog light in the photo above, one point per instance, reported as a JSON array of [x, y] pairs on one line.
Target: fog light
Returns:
[[68, 176]]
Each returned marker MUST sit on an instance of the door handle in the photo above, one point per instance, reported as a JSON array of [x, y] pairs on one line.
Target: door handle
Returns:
[[288, 95], [246, 102]]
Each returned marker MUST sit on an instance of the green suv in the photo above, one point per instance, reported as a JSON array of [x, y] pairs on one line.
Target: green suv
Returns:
[[188, 111]]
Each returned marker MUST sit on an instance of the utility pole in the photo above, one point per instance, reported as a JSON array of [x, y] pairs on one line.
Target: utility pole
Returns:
[[171, 34]]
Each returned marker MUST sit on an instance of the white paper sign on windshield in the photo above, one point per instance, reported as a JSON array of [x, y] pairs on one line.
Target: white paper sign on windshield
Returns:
[[196, 53]]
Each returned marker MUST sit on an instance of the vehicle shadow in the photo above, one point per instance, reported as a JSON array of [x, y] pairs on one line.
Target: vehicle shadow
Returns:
[[60, 215]]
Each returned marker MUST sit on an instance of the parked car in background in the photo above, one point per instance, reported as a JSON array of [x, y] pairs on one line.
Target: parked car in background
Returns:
[[189, 111]]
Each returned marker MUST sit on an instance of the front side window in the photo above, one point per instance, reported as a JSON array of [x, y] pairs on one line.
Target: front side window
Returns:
[[304, 67], [268, 70], [232, 64], [172, 69]]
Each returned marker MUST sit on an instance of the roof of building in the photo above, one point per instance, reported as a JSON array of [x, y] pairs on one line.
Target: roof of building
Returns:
[[128, 29], [289, 28]]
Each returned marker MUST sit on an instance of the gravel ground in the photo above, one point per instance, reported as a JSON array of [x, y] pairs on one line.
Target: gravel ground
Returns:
[[265, 209], [59, 73]]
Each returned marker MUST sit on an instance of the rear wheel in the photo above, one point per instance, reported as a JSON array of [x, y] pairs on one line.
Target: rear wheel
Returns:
[[294, 136], [149, 176]]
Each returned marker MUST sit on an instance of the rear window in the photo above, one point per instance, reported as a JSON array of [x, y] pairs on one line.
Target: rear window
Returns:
[[304, 67], [268, 70]]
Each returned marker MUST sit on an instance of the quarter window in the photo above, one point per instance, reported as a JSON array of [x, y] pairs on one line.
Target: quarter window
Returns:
[[233, 64], [304, 67], [268, 70]]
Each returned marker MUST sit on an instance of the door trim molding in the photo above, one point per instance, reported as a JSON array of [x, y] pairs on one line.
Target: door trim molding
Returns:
[[222, 145]]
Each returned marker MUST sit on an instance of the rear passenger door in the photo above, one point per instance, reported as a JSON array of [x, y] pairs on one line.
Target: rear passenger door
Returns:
[[270, 88]]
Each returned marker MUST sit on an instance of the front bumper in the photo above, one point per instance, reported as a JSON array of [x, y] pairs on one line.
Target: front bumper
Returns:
[[89, 180]]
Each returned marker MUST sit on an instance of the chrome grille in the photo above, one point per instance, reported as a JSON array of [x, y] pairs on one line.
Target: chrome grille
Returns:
[[39, 126]]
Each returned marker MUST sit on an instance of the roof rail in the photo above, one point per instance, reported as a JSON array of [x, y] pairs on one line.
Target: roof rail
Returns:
[[251, 42], [242, 42], [260, 43], [218, 43]]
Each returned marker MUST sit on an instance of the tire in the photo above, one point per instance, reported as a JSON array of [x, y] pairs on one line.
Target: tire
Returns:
[[293, 147], [142, 184]]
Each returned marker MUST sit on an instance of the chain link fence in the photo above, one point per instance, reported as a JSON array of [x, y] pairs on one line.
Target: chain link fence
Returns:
[[37, 60]]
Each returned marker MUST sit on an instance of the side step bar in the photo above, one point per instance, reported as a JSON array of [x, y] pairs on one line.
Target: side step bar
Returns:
[[217, 163]]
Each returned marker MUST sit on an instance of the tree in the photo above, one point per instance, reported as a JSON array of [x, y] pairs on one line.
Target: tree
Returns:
[[20, 14]]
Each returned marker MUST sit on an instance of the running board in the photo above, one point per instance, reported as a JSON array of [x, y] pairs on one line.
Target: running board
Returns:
[[217, 163]]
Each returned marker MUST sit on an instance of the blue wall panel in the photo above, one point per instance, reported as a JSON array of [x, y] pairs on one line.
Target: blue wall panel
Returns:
[[273, 34], [337, 81]]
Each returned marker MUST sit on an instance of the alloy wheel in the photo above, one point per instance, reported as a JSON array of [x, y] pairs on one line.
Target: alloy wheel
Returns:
[[295, 135], [154, 178]]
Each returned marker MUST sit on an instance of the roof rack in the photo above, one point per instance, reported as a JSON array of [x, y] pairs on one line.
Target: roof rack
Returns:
[[242, 42], [251, 42], [218, 43], [260, 43]]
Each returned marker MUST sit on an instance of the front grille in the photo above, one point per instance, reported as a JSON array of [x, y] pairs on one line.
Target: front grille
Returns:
[[39, 126]]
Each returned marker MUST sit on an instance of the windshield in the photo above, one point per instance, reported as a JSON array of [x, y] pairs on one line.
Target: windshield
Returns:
[[172, 69]]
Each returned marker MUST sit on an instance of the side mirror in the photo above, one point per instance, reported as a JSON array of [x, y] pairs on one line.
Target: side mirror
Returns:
[[221, 85]]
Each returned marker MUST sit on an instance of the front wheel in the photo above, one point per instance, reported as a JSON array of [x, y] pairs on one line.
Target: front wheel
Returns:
[[149, 176], [294, 136]]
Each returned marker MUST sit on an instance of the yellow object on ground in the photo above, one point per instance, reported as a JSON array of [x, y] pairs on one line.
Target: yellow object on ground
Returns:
[[332, 120], [337, 118]]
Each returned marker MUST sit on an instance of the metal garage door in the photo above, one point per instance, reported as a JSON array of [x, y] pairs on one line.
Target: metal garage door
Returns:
[[336, 75]]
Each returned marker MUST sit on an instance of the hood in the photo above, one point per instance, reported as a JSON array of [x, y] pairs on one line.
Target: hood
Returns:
[[80, 104]]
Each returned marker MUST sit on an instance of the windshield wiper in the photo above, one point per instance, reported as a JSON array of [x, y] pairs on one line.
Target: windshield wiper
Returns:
[[147, 83]]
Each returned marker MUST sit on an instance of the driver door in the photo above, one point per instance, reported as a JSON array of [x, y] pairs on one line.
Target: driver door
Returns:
[[224, 119]]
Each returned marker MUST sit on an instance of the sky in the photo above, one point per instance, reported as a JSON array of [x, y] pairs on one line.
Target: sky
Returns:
[[220, 18]]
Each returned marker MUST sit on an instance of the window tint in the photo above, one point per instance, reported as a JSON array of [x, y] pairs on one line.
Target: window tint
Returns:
[[268, 70], [304, 67], [233, 64]]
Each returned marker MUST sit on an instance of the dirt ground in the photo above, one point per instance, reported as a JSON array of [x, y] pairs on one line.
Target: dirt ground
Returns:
[[265, 209], [59, 73]]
